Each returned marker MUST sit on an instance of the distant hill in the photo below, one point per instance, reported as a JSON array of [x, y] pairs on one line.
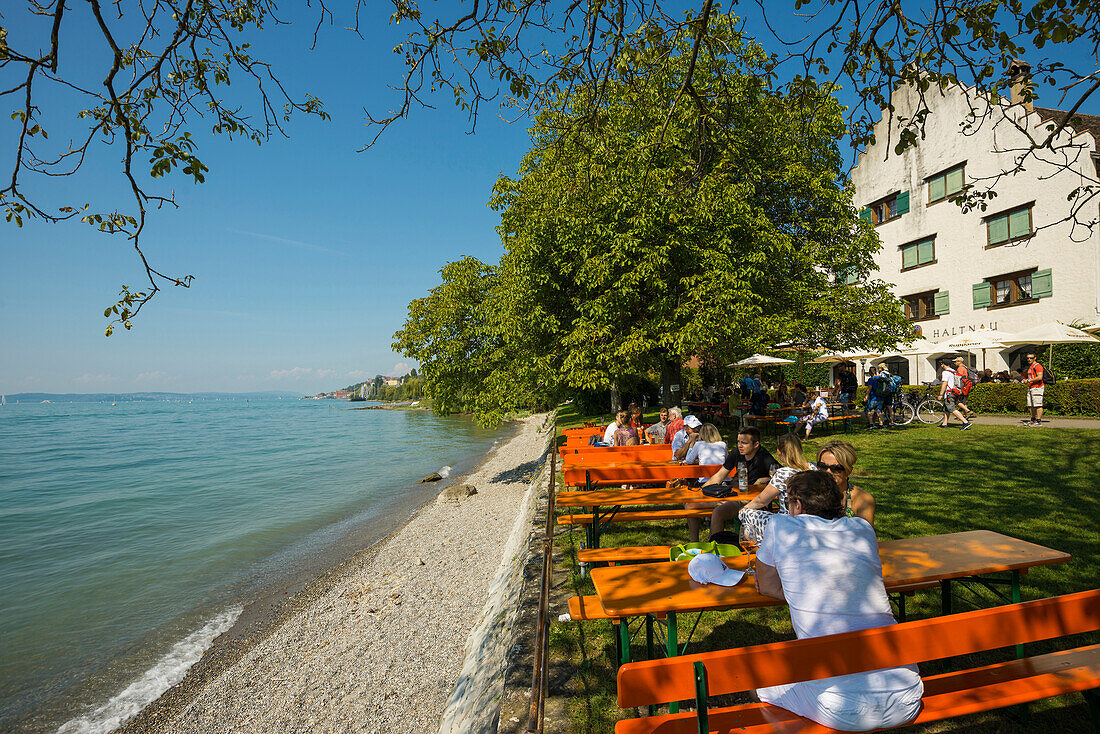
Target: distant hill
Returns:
[[144, 397]]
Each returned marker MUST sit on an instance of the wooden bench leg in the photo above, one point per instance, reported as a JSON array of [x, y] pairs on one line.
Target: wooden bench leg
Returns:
[[945, 597]]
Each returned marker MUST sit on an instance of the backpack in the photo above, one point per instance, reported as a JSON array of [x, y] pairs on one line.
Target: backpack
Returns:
[[884, 387], [966, 382], [1048, 376]]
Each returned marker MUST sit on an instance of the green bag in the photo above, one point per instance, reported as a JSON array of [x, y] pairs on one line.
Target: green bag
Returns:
[[687, 551]]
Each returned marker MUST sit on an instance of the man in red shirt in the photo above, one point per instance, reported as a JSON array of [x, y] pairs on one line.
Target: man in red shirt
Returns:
[[1034, 390], [675, 424]]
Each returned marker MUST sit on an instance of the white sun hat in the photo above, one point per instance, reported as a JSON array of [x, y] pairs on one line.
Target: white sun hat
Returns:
[[707, 568], [692, 421]]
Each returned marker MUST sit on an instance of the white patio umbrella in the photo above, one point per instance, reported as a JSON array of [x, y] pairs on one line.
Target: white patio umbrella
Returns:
[[1051, 334], [981, 339], [759, 360]]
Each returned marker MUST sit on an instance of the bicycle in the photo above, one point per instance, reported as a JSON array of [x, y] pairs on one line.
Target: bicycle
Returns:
[[929, 409]]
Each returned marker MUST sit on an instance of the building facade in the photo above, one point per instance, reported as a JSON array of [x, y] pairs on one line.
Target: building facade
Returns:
[[1021, 262]]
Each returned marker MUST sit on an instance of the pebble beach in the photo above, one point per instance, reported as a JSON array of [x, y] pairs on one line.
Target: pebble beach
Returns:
[[380, 645]]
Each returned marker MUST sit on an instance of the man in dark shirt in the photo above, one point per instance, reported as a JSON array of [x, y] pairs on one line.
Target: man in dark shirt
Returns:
[[758, 462], [848, 383]]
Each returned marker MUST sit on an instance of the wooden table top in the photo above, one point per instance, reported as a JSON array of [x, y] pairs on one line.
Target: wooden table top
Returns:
[[642, 496], [653, 458], [628, 591]]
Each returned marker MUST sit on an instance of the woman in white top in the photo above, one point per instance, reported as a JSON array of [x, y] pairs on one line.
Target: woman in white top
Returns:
[[709, 448], [826, 566], [819, 413]]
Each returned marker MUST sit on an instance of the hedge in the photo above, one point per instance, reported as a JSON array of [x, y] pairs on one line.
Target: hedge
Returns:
[[1067, 397]]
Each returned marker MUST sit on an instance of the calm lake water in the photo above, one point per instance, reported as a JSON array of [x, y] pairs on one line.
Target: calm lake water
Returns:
[[132, 535]]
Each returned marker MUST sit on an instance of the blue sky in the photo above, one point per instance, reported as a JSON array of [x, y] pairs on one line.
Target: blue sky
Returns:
[[305, 253]]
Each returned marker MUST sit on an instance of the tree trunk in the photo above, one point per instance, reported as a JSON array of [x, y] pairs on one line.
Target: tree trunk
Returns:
[[670, 383], [616, 399]]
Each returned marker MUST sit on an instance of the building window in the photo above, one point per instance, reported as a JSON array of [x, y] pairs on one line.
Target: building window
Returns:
[[1009, 226], [946, 184], [927, 305], [915, 254], [1011, 289], [886, 209]]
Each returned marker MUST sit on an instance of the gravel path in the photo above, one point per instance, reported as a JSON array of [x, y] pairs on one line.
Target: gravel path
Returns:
[[381, 649]]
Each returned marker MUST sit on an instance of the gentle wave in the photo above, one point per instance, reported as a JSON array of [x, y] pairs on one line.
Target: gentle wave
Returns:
[[445, 472], [167, 672]]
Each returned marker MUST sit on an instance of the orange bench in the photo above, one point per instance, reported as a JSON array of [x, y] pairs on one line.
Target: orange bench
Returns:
[[947, 695]]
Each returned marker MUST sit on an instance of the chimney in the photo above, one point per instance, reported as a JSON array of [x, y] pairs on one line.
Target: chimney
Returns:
[[1019, 74]]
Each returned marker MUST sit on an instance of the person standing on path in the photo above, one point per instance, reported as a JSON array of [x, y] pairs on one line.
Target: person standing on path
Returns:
[[949, 391], [962, 372], [1035, 389]]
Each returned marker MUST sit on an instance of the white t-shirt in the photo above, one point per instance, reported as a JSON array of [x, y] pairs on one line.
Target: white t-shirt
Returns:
[[609, 434], [707, 453], [832, 581], [818, 407], [948, 378], [678, 440]]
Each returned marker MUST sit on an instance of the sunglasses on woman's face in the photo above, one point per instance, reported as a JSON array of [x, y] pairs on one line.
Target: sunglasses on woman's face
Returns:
[[837, 468]]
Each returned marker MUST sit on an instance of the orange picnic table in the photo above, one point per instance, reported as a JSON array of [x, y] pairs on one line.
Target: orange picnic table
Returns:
[[616, 498], [641, 450], [630, 472], [665, 589]]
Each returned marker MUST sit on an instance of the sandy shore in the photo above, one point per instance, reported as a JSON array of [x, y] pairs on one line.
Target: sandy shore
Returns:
[[381, 647]]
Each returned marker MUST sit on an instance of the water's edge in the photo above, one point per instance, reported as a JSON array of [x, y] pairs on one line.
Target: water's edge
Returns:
[[265, 614]]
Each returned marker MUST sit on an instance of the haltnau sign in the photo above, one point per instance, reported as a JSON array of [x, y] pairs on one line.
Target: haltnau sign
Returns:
[[963, 330]]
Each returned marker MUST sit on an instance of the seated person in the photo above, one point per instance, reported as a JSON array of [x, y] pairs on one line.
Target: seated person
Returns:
[[625, 434], [709, 448], [609, 432], [656, 432], [818, 412], [826, 567], [685, 437], [798, 394], [838, 458], [675, 423], [635, 411], [758, 462], [792, 460]]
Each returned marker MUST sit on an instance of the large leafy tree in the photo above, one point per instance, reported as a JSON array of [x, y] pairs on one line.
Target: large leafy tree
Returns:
[[644, 234]]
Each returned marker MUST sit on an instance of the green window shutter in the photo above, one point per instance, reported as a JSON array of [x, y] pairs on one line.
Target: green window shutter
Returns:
[[865, 214], [935, 189], [909, 256], [998, 230], [1042, 285], [982, 297], [926, 252], [1019, 223], [954, 181], [943, 303], [903, 202]]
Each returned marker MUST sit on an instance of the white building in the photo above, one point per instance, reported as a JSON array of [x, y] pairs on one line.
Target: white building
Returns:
[[1011, 267]]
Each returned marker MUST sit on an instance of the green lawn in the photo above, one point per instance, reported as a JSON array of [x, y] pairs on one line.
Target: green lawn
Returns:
[[1034, 484]]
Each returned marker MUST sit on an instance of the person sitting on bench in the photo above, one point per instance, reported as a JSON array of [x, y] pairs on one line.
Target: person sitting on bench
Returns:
[[758, 462], [789, 448], [826, 566]]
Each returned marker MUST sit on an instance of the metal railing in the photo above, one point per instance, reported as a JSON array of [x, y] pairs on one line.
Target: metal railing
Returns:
[[540, 673]]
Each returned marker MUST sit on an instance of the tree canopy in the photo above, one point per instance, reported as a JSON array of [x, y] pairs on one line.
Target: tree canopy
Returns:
[[640, 238]]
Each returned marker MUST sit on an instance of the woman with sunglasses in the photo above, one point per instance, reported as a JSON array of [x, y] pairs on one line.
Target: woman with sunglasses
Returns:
[[838, 458]]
